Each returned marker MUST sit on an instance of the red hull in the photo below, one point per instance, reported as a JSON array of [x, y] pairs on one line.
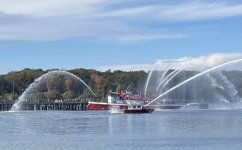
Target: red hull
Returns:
[[97, 106]]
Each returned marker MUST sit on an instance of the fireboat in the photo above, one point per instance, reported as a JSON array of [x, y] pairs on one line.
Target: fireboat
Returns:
[[124, 102]]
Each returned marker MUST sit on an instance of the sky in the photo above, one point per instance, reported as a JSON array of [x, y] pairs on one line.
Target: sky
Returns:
[[117, 34]]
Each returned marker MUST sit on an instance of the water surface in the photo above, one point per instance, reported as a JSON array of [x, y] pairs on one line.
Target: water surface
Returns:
[[86, 130]]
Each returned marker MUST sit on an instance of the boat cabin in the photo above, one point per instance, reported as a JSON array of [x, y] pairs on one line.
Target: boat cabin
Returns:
[[135, 107]]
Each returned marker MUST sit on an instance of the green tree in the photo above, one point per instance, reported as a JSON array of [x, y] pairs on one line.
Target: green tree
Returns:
[[69, 95], [53, 95]]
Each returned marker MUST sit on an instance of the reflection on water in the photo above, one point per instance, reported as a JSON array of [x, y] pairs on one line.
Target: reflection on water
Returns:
[[179, 129]]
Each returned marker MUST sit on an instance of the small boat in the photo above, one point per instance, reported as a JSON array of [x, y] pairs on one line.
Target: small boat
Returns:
[[137, 109]]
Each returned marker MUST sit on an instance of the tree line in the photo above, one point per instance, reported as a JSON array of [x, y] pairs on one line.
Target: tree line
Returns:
[[13, 84], [62, 86]]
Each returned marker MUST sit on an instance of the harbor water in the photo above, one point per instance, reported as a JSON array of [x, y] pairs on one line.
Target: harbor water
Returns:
[[92, 130]]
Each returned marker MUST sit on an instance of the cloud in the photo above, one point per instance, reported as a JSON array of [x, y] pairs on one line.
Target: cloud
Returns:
[[144, 37], [47, 8], [206, 62], [120, 20], [199, 11], [189, 11], [188, 63]]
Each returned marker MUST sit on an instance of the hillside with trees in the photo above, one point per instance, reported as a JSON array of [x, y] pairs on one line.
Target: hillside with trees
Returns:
[[13, 84]]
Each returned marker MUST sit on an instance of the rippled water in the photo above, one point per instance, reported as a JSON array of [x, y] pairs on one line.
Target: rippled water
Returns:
[[179, 129]]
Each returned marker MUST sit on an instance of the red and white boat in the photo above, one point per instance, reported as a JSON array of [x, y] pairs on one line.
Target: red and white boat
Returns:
[[126, 102], [118, 101]]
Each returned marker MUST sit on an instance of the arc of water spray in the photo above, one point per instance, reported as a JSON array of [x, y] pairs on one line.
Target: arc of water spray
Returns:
[[234, 93], [81, 81], [16, 106], [194, 77], [163, 76], [151, 72], [214, 83], [169, 77], [71, 74]]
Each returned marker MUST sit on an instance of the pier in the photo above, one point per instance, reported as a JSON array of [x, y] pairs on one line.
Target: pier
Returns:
[[48, 106], [5, 106]]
